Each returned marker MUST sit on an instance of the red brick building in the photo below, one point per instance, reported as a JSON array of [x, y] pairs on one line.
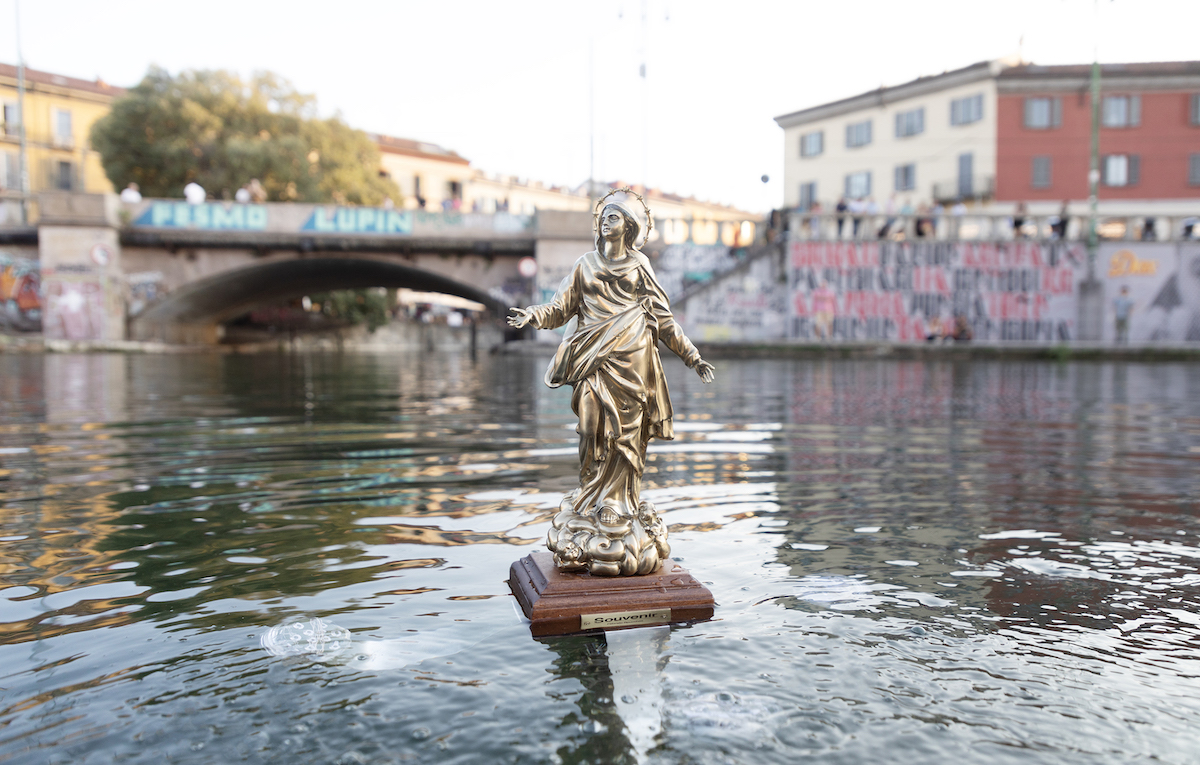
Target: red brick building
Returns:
[[1149, 134]]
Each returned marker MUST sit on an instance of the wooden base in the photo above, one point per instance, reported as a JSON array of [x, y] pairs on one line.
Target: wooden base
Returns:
[[564, 603]]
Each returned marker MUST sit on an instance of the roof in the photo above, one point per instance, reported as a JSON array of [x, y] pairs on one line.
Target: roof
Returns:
[[409, 147], [1155, 75], [1152, 68], [1152, 75], [98, 86], [883, 95]]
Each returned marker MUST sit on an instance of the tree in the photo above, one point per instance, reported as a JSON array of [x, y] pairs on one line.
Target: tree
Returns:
[[368, 306], [213, 128]]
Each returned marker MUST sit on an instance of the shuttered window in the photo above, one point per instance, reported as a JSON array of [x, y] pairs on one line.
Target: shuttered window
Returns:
[[964, 111], [1043, 113], [1118, 170], [1040, 173], [858, 185], [911, 122], [808, 195], [812, 144], [858, 134], [1121, 111]]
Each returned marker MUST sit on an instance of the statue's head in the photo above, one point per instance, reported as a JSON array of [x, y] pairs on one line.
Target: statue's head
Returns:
[[634, 217], [614, 216]]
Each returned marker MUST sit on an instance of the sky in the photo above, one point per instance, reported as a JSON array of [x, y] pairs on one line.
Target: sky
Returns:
[[551, 90]]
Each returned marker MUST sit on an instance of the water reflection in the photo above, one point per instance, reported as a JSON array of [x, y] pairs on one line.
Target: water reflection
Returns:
[[964, 559]]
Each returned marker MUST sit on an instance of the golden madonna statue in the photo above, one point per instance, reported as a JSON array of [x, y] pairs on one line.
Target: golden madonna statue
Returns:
[[610, 357]]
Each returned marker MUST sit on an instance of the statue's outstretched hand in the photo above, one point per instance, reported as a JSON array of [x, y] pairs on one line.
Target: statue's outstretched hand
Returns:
[[706, 371], [519, 318]]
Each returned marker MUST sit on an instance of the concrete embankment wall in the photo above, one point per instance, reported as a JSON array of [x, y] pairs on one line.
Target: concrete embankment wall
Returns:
[[1021, 292]]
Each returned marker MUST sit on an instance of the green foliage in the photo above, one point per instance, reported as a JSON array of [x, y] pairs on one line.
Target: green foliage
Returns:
[[355, 306], [213, 128]]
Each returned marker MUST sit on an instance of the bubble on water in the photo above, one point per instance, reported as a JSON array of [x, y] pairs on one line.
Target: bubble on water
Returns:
[[313, 637], [723, 711], [593, 726], [627, 699], [420, 734]]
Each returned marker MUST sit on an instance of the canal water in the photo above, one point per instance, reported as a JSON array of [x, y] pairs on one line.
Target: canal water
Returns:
[[301, 558]]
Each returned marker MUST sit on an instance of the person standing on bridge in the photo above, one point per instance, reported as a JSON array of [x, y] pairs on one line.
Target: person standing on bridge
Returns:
[[194, 193], [617, 313]]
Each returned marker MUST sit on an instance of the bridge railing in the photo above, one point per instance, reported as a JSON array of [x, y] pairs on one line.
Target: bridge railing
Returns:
[[824, 226]]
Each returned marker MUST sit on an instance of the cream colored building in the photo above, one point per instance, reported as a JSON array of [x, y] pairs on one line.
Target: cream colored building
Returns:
[[423, 171], [490, 193], [929, 140], [59, 113], [445, 180]]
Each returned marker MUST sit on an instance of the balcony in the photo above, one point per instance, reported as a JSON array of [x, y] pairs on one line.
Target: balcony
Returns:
[[975, 187]]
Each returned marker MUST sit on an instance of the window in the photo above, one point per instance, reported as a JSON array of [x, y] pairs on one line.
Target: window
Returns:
[[910, 123], [808, 195], [858, 185], [858, 134], [1120, 111], [64, 176], [812, 144], [1195, 110], [63, 134], [10, 170], [906, 177], [12, 119], [1194, 170], [1119, 170], [1040, 176], [966, 175], [964, 111], [1043, 113]]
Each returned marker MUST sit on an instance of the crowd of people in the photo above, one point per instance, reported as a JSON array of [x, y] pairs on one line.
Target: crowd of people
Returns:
[[195, 194], [863, 218]]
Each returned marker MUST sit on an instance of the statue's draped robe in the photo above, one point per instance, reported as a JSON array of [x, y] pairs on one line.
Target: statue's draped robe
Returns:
[[611, 359]]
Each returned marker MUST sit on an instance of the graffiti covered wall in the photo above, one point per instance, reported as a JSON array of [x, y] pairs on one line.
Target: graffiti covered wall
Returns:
[[1007, 291], [679, 266], [20, 292], [1163, 281], [750, 305]]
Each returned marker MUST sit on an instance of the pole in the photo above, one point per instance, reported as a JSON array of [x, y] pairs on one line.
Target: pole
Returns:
[[645, 103], [21, 119], [1091, 289], [1094, 173], [591, 120]]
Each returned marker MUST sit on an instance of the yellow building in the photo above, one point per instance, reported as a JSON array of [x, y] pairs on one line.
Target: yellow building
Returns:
[[428, 175], [59, 113]]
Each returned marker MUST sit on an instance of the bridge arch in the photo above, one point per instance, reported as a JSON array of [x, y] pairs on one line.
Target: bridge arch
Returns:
[[192, 312]]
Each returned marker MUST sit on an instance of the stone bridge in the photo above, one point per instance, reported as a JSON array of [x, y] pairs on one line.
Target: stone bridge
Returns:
[[170, 271], [95, 269]]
